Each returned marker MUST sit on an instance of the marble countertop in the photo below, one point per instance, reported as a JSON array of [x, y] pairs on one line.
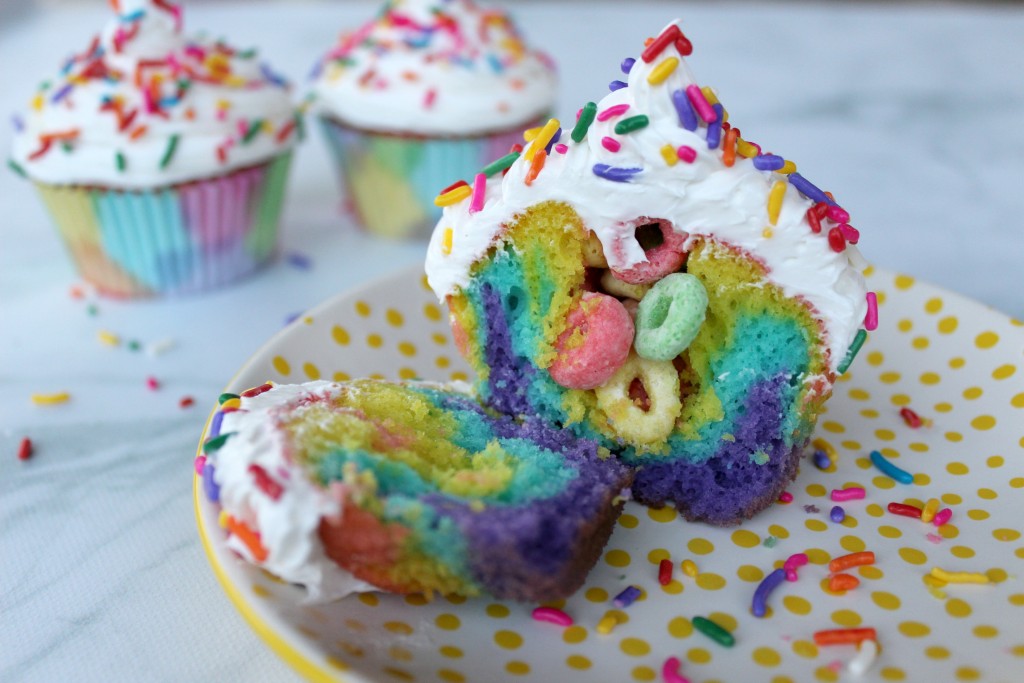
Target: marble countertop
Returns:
[[912, 113]]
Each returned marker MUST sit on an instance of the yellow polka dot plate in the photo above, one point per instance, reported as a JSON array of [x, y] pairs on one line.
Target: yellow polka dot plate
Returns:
[[957, 364]]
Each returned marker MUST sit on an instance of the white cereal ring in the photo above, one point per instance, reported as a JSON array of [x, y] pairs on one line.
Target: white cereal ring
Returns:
[[621, 288], [593, 252], [630, 421]]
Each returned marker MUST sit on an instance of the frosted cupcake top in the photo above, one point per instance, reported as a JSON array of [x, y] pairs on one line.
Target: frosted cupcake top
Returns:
[[143, 106], [435, 67], [660, 146]]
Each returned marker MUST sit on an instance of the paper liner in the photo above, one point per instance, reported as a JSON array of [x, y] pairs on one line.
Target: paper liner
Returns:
[[391, 180], [181, 239]]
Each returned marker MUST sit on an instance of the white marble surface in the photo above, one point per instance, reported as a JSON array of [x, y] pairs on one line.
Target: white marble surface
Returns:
[[911, 114]]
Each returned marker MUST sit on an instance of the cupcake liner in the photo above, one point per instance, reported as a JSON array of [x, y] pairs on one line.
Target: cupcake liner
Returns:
[[181, 239], [391, 180]]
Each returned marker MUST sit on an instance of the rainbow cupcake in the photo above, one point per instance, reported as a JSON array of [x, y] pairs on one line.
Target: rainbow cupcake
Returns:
[[409, 488], [429, 89], [162, 159], [647, 278]]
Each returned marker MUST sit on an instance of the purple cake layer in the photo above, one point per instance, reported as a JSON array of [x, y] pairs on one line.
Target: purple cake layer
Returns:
[[732, 485]]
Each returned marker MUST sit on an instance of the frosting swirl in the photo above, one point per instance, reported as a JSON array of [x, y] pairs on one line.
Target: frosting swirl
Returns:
[[435, 67], [143, 106], [660, 146]]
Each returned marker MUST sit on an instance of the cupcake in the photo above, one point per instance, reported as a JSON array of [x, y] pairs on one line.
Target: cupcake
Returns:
[[409, 488], [648, 278], [427, 90], [162, 159]]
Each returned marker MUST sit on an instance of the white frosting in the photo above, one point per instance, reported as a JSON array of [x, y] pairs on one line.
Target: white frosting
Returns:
[[288, 526], [142, 32], [705, 199], [435, 67]]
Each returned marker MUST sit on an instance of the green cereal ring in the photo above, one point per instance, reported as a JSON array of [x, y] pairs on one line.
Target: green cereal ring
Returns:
[[669, 317]]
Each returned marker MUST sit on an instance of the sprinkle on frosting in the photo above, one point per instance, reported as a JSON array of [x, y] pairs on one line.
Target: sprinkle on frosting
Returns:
[[143, 105], [435, 67], [726, 189]]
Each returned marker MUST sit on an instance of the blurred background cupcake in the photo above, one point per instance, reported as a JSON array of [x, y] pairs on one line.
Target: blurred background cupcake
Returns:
[[427, 91], [161, 159]]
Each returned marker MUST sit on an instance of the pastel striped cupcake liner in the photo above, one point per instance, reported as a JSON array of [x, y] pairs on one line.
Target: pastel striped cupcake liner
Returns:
[[179, 240]]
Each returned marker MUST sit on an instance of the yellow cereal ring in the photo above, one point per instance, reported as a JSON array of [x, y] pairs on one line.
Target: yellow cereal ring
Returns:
[[593, 252], [631, 422], [621, 288]]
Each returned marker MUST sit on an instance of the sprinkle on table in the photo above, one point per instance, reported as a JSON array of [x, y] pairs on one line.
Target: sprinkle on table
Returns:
[[852, 560], [25, 449], [665, 572], [627, 597], [51, 399], [891, 470], [942, 517], [552, 615], [844, 636], [849, 493], [607, 624], [905, 510], [910, 418], [186, 402], [794, 562], [713, 631], [670, 671], [842, 582], [959, 577], [759, 605]]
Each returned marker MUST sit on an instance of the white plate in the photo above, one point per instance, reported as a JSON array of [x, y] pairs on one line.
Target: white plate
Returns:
[[955, 362]]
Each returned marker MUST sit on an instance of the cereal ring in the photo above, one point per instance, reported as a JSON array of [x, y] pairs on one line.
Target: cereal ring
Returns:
[[658, 387], [670, 316], [663, 247], [593, 252], [595, 343], [621, 288]]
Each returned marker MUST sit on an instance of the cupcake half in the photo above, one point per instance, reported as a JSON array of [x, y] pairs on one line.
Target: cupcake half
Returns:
[[161, 158], [425, 91]]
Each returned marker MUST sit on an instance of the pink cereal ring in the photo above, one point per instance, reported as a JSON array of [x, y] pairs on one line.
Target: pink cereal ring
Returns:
[[596, 341], [665, 257]]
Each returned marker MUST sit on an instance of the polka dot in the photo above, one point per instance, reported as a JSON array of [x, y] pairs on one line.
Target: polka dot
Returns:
[[596, 594], [745, 539], [929, 378], [913, 556], [628, 521], [448, 622], [905, 325], [885, 434], [400, 674], [951, 499], [1017, 599], [892, 673], [400, 653], [956, 362], [749, 572], [644, 673], [994, 461], [574, 634], [987, 494], [407, 348], [961, 551], [680, 627], [805, 649], [369, 599], [765, 656], [846, 618], [698, 655], [340, 335], [914, 629], [985, 631], [341, 377], [957, 468], [817, 556], [710, 582], [883, 482], [363, 309], [1006, 535], [889, 377], [825, 674], [510, 640], [874, 510], [904, 282], [394, 318], [978, 515], [497, 611], [997, 575], [920, 343], [983, 423], [617, 558], [796, 605], [657, 555], [833, 427], [986, 340], [859, 395], [336, 663], [416, 600], [936, 652], [281, 365], [399, 627], [967, 673], [374, 340], [871, 572], [439, 339], [852, 544], [634, 647], [700, 546], [955, 607], [815, 490], [517, 668], [815, 525], [432, 312], [577, 662], [1003, 371], [885, 600], [663, 515]]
